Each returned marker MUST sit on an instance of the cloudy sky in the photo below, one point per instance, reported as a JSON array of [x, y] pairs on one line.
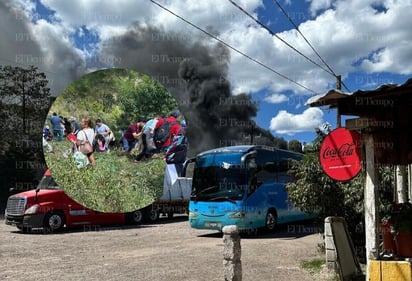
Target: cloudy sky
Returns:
[[366, 42]]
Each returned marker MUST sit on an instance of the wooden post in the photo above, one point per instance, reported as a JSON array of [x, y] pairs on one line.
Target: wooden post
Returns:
[[370, 203], [401, 184], [410, 183], [330, 249], [338, 87]]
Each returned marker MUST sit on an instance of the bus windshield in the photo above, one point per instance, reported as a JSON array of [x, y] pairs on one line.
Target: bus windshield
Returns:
[[219, 177]]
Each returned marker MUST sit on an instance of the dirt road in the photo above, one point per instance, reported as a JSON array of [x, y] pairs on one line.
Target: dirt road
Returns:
[[169, 250]]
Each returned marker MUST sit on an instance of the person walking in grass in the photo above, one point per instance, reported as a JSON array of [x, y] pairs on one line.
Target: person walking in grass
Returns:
[[86, 134]]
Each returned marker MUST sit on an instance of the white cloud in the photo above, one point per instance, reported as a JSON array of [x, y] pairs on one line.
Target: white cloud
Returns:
[[342, 31], [288, 123], [276, 98], [317, 5]]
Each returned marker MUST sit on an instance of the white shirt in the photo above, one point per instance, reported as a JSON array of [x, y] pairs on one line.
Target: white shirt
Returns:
[[81, 135]]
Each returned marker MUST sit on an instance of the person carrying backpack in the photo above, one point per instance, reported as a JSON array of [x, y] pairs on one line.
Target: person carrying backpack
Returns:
[[177, 150], [166, 129], [147, 139]]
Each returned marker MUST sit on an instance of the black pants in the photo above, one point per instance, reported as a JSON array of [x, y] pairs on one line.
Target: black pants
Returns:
[[145, 152]]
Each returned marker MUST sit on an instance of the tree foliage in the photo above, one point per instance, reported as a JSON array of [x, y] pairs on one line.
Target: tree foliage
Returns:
[[117, 96], [295, 145], [25, 91], [313, 190], [24, 102], [143, 96]]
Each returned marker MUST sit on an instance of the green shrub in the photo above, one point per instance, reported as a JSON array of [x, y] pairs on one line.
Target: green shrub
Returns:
[[114, 184]]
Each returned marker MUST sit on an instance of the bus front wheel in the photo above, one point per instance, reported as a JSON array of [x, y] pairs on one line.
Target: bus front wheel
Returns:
[[271, 220]]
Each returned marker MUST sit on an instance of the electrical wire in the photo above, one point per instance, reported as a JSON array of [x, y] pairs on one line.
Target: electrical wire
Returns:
[[233, 48], [307, 41], [330, 71]]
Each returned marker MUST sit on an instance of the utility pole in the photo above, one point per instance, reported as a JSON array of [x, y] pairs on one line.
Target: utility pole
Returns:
[[252, 134], [338, 87]]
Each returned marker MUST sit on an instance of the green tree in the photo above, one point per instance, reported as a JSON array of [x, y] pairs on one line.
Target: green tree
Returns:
[[144, 97], [24, 102], [313, 190], [116, 96], [295, 145], [24, 89]]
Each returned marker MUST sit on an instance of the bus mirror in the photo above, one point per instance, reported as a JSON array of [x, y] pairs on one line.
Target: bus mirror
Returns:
[[252, 163]]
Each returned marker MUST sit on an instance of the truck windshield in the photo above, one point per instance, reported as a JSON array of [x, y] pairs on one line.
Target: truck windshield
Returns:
[[219, 178], [47, 182]]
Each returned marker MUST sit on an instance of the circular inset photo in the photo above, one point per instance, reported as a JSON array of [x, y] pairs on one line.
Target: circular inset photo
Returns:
[[110, 137]]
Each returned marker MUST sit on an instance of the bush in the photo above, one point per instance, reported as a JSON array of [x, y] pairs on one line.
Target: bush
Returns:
[[114, 184]]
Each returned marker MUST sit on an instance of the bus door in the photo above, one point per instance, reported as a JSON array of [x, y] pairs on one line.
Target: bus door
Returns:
[[254, 203], [287, 212]]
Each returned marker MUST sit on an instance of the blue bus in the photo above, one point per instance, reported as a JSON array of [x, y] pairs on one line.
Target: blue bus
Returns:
[[242, 185]]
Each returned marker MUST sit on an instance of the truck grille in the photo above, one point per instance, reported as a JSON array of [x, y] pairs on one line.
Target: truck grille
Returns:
[[15, 206]]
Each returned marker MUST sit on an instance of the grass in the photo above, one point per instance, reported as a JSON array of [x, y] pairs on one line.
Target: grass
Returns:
[[114, 184], [313, 266]]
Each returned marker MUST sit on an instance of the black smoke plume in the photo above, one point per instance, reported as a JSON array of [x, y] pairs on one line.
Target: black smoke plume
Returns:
[[195, 72]]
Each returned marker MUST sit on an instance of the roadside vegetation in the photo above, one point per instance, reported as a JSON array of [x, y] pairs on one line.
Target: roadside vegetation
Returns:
[[313, 190], [118, 97], [114, 184], [317, 268]]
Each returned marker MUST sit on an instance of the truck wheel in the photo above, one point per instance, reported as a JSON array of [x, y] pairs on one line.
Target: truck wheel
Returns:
[[54, 221], [271, 220], [152, 215], [135, 217]]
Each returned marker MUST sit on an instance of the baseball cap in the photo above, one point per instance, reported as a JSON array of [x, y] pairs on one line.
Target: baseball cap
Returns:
[[175, 113]]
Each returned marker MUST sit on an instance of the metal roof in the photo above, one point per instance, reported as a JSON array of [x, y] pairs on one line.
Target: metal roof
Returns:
[[386, 112], [334, 98]]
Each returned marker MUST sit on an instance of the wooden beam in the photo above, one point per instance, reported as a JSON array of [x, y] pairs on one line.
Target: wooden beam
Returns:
[[358, 123], [401, 184], [370, 202]]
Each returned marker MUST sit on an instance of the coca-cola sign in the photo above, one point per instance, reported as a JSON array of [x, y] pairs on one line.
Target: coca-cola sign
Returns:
[[340, 154]]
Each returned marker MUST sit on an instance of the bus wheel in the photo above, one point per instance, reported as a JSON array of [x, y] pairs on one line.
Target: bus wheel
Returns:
[[54, 221], [271, 220]]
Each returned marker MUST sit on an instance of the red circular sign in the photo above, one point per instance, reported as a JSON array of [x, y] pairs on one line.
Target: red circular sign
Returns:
[[340, 154]]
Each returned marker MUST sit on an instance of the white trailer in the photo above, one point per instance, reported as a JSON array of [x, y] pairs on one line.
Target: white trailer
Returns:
[[175, 197]]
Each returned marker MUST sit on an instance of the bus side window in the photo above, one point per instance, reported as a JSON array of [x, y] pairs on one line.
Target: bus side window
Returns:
[[264, 172], [283, 168]]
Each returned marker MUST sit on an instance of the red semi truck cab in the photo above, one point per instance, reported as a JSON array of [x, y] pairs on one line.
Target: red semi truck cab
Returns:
[[51, 209]]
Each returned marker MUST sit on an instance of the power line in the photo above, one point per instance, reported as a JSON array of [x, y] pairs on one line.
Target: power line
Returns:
[[307, 41], [233, 48], [277, 36]]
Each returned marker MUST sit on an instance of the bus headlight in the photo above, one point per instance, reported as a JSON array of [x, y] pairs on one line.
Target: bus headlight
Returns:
[[192, 215], [32, 210], [237, 215]]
